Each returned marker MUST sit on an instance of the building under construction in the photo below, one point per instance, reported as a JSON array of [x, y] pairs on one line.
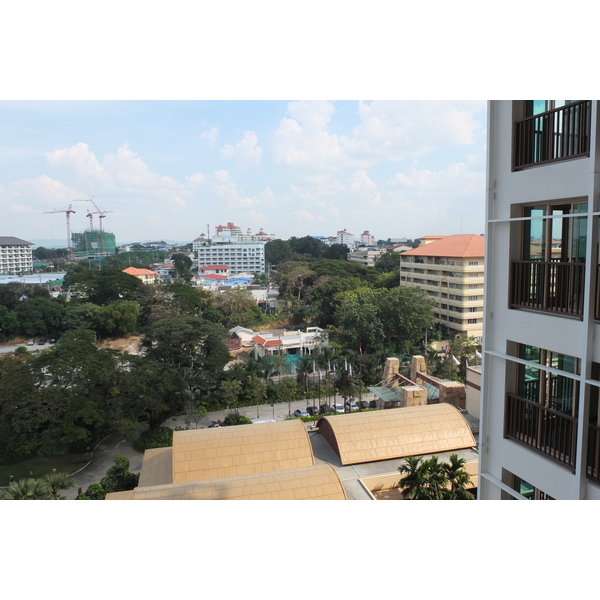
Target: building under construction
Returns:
[[93, 244]]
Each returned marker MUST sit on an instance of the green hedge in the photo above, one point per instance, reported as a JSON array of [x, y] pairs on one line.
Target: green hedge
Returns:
[[160, 437]]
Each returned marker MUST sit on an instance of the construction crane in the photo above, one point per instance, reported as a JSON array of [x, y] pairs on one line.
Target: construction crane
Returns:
[[68, 212], [101, 215]]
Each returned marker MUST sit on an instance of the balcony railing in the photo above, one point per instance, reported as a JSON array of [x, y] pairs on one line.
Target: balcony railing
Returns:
[[547, 431], [555, 135], [593, 458], [553, 287]]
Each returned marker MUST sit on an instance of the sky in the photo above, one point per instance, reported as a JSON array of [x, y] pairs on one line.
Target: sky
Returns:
[[173, 169]]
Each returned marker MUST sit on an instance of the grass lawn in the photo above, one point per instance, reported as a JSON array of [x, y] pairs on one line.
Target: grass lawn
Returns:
[[39, 466]]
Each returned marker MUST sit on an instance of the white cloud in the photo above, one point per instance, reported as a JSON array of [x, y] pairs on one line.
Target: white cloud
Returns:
[[246, 151], [303, 141], [210, 135], [196, 179]]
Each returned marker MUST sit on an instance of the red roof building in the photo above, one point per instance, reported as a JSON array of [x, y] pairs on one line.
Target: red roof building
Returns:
[[450, 269]]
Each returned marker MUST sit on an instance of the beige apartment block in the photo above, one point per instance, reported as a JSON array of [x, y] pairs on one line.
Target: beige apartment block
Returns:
[[450, 269]]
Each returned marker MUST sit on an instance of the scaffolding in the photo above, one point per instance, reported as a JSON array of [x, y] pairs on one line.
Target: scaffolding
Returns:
[[93, 244]]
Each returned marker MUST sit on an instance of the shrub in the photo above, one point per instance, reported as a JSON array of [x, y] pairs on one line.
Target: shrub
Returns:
[[233, 419], [159, 437]]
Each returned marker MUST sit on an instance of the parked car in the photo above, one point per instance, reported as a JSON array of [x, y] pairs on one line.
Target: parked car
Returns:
[[30, 342], [42, 342], [325, 408], [351, 406], [373, 404], [301, 412], [363, 404], [312, 411], [337, 408]]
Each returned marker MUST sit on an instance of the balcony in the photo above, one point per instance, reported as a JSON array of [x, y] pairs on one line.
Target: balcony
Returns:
[[549, 432], [552, 136], [551, 287]]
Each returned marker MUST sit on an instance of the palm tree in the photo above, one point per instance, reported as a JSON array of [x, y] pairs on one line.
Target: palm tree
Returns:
[[423, 479], [57, 481], [28, 489], [458, 479]]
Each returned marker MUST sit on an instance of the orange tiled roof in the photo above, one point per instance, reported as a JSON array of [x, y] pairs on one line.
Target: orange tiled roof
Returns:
[[135, 272], [262, 342], [465, 246]]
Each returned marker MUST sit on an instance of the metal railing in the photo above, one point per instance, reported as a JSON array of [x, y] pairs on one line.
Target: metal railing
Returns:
[[549, 432], [593, 456], [553, 287], [558, 134]]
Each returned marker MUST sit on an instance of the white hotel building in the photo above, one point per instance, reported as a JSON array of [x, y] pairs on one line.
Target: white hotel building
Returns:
[[539, 422], [15, 256]]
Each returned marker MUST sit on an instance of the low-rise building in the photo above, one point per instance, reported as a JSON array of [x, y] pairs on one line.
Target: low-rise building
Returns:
[[299, 342], [144, 275], [367, 257]]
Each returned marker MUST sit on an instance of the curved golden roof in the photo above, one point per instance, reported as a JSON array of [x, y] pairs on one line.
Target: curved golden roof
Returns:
[[305, 483], [240, 450], [385, 434]]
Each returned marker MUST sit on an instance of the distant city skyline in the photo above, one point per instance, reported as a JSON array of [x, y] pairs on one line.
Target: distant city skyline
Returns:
[[171, 169]]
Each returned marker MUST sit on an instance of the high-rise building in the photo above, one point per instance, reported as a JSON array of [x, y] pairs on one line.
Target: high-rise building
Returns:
[[539, 422], [366, 239], [450, 269], [346, 238], [15, 256]]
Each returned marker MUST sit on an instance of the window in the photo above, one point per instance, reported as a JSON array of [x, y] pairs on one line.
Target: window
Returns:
[[473, 298], [473, 263]]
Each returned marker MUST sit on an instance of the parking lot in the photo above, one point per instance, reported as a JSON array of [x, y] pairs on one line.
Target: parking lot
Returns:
[[279, 412]]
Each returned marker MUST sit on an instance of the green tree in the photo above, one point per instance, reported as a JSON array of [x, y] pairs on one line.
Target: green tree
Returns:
[[194, 348], [57, 481], [458, 479], [429, 479], [238, 307], [183, 266], [230, 391], [288, 390], [423, 479], [335, 252], [277, 252], [28, 489], [118, 478], [359, 314]]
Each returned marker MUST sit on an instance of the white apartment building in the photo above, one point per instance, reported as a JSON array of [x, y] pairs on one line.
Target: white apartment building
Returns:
[[450, 269], [15, 256], [539, 421], [344, 237], [366, 239], [239, 257]]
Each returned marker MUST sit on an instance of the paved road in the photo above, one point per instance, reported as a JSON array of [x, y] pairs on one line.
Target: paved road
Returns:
[[104, 458], [34, 348]]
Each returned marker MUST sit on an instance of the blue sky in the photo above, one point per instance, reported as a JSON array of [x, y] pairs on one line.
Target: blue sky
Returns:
[[168, 169]]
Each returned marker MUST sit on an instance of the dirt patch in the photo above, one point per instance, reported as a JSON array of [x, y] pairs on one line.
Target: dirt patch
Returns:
[[130, 344]]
